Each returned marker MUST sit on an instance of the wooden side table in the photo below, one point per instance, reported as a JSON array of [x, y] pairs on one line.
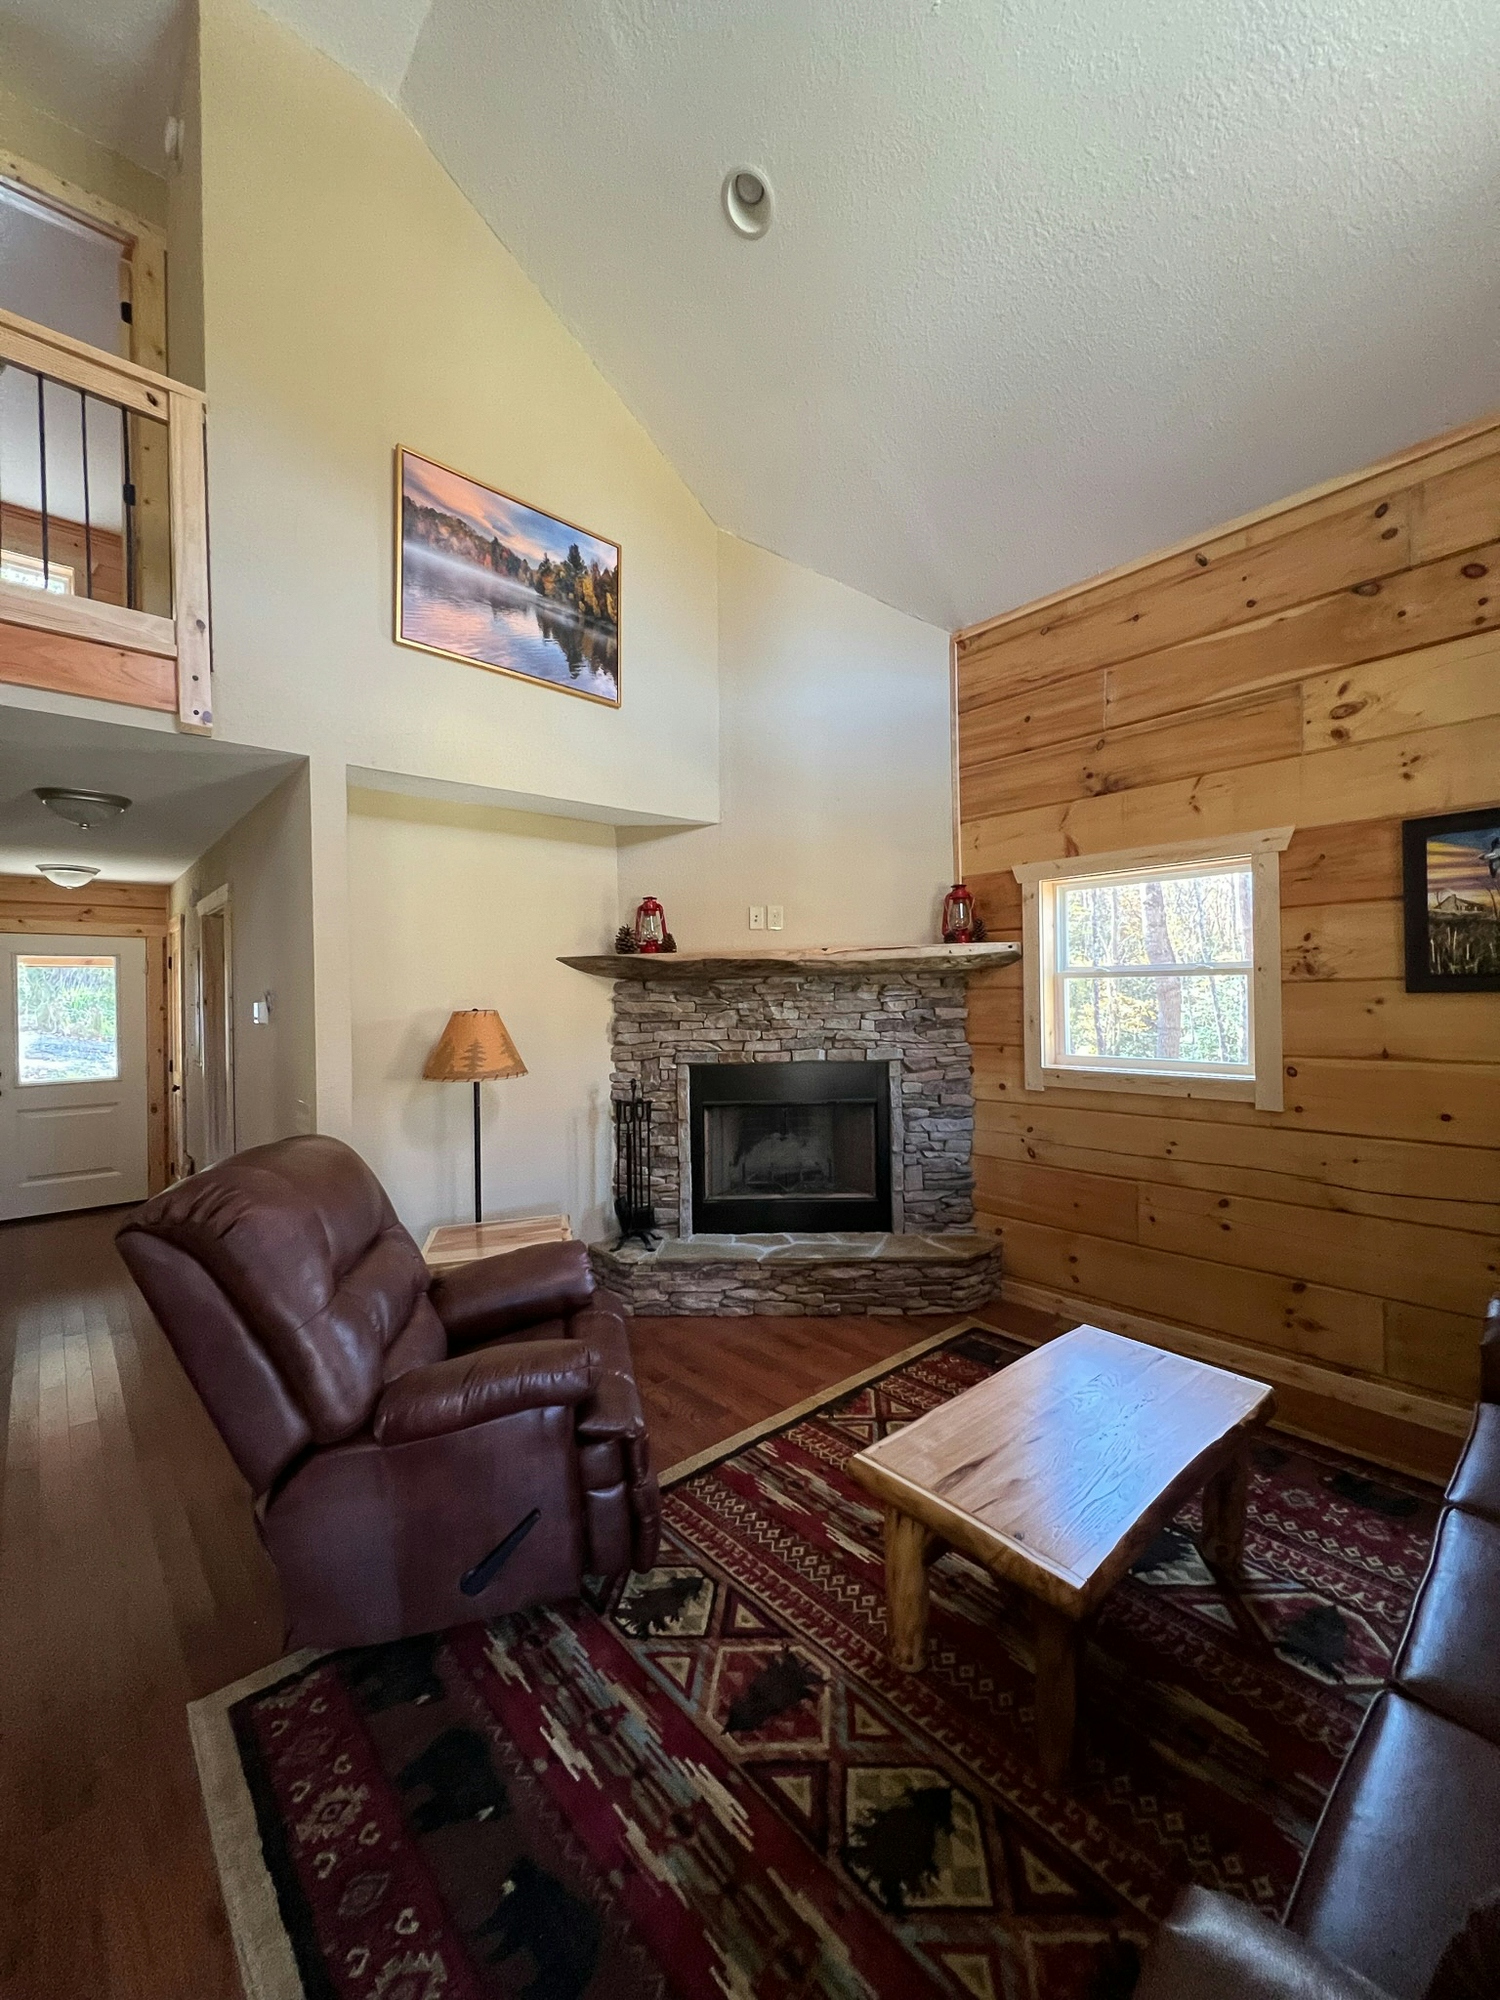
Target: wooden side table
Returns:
[[1055, 1474], [454, 1243]]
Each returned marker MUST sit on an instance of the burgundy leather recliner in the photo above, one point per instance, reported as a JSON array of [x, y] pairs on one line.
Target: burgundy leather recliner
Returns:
[[422, 1451]]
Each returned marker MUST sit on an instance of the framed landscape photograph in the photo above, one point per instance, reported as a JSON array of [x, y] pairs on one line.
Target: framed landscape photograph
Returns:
[[1451, 871], [484, 578]]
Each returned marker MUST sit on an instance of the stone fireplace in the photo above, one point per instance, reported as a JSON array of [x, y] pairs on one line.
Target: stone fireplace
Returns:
[[814, 1130]]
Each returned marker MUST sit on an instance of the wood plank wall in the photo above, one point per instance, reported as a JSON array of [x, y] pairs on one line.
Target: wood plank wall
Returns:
[[111, 909], [1332, 663], [71, 543]]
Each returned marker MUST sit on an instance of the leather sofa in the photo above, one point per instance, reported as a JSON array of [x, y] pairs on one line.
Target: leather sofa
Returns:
[[422, 1452], [1399, 1892]]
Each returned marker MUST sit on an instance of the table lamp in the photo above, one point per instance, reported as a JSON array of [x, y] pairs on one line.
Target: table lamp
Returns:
[[475, 1047]]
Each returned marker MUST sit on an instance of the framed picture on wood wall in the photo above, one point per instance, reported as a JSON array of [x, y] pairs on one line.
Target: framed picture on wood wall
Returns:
[[485, 578], [1451, 875]]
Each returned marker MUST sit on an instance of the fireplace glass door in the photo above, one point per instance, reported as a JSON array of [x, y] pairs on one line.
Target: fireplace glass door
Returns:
[[790, 1146]]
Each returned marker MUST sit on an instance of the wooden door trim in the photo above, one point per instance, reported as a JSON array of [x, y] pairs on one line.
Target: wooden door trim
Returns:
[[176, 1167], [218, 902]]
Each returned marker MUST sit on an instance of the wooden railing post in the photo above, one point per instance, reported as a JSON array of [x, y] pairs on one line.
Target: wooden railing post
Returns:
[[189, 487]]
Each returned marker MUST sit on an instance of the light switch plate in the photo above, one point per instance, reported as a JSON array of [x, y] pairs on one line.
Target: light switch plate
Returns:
[[774, 916], [757, 916]]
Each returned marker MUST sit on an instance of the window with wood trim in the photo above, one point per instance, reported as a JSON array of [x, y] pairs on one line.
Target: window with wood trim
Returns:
[[1157, 970]]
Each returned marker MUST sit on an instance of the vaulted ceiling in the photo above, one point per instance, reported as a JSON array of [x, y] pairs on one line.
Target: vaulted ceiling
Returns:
[[1050, 282]]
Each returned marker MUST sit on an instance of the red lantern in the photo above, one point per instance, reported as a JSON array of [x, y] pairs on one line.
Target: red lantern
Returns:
[[958, 916], [650, 925]]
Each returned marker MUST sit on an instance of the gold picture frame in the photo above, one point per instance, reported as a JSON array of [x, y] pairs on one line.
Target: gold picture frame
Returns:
[[490, 580]]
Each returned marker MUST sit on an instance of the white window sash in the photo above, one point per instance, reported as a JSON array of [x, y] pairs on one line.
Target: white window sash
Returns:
[[1259, 1081]]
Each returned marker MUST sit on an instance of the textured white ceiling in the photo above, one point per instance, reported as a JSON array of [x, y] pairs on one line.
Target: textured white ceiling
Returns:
[[110, 68], [1051, 283]]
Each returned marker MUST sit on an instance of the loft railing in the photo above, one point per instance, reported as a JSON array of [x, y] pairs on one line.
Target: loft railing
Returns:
[[103, 527]]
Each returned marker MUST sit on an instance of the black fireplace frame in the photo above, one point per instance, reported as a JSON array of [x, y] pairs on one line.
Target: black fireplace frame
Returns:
[[790, 1083]]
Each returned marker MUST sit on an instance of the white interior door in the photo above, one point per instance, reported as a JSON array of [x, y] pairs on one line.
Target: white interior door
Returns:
[[73, 1082]]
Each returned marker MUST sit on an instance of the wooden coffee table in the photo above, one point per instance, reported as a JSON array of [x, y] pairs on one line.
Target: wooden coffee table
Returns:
[[1056, 1474]]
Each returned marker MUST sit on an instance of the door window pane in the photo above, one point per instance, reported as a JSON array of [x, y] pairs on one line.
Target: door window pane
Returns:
[[66, 1019]]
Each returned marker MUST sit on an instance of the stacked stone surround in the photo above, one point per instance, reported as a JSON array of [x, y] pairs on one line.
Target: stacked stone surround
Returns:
[[917, 1022], [913, 1020]]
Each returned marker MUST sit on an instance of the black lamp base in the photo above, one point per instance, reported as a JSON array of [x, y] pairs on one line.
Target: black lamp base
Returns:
[[478, 1204]]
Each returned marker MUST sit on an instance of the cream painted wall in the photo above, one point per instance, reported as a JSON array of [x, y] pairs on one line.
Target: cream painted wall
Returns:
[[353, 301], [834, 771], [47, 142], [464, 906], [185, 226], [264, 862]]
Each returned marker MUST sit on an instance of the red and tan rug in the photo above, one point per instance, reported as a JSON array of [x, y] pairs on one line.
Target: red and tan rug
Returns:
[[725, 1790]]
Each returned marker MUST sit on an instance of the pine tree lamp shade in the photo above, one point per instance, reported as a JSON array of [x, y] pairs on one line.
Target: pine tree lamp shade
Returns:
[[476, 1048]]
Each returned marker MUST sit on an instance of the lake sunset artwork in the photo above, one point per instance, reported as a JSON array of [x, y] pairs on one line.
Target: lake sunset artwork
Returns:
[[484, 578]]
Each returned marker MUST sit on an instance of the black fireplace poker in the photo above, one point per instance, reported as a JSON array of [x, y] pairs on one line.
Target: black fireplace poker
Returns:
[[633, 1207]]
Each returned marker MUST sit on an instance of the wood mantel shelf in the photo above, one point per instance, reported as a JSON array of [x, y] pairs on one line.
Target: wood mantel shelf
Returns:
[[965, 958]]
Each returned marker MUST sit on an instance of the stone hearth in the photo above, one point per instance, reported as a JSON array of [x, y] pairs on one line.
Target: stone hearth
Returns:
[[904, 1008], [884, 1275]]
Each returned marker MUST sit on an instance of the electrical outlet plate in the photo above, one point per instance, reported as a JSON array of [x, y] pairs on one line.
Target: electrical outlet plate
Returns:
[[774, 916], [757, 916]]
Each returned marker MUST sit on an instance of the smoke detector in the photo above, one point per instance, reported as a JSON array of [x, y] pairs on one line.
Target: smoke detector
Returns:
[[747, 201]]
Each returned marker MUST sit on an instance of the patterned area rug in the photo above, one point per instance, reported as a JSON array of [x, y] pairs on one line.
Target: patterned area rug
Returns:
[[725, 1789]]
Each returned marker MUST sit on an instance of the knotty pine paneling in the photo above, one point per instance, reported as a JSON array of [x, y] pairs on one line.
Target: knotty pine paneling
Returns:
[[1120, 760], [1457, 1103], [1421, 607], [1429, 771], [1407, 1181], [114, 909], [1333, 664]]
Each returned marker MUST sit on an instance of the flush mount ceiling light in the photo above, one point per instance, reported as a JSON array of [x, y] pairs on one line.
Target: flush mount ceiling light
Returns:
[[84, 809], [66, 874], [747, 201]]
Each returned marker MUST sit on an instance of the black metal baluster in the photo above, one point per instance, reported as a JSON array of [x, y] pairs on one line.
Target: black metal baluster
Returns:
[[41, 446], [128, 494], [88, 527]]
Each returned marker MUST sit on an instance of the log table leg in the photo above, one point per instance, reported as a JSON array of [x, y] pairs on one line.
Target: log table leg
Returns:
[[906, 1544], [1057, 1649], [1225, 1498]]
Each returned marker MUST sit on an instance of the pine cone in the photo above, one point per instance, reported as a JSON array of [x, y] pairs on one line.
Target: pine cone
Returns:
[[669, 943], [625, 940], [981, 929]]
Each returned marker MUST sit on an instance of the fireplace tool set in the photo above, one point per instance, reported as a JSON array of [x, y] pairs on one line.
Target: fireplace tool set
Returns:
[[633, 1208]]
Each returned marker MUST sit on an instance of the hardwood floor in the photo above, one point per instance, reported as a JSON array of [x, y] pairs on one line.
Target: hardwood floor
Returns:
[[132, 1582], [702, 1380]]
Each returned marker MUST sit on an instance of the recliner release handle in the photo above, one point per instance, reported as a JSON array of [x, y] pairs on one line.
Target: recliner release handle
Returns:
[[483, 1574]]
